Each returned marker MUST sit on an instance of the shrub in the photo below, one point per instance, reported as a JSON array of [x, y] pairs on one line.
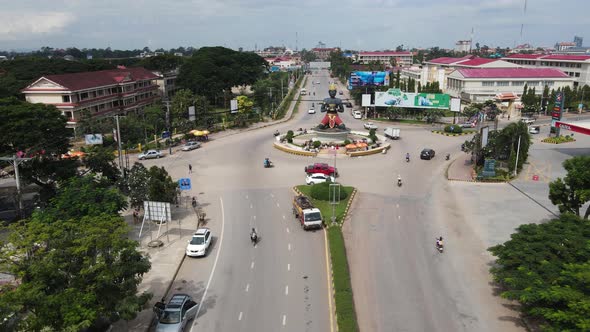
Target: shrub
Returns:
[[321, 192], [317, 144], [559, 139], [455, 129], [372, 135], [289, 136], [346, 142]]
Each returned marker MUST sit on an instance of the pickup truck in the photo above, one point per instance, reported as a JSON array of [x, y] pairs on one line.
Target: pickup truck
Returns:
[[308, 215], [321, 168]]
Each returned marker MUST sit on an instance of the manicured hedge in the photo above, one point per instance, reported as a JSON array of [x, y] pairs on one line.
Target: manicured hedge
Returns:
[[321, 191], [455, 129]]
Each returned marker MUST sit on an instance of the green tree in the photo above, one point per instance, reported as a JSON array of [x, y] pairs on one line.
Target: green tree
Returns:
[[163, 63], [138, 185], [161, 187], [307, 56], [572, 192], [433, 115], [545, 267], [101, 160]]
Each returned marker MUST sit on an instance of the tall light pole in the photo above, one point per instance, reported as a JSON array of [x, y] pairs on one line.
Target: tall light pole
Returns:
[[15, 161], [516, 161], [167, 102], [119, 149]]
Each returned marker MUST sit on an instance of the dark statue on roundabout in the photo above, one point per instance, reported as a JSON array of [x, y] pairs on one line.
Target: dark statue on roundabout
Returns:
[[332, 105]]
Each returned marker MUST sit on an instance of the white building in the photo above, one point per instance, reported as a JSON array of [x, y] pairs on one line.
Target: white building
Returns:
[[98, 93], [481, 84], [411, 72], [403, 59], [166, 82], [436, 70], [576, 66], [463, 46]]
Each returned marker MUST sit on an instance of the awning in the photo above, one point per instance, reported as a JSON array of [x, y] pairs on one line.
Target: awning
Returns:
[[581, 127], [199, 132]]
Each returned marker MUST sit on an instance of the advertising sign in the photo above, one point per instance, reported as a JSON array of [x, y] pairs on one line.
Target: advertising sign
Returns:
[[233, 106], [456, 104], [556, 112], [366, 100], [191, 113], [395, 97], [368, 78], [93, 139]]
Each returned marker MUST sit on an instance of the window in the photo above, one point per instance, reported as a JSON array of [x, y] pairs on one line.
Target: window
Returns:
[[577, 74], [517, 83], [533, 83], [65, 99], [548, 83], [484, 83], [579, 65], [84, 95], [100, 92], [500, 83]]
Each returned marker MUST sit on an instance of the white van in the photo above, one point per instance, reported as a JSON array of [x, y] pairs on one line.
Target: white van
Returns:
[[357, 114]]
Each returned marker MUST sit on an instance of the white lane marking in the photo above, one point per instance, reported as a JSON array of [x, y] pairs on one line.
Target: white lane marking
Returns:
[[289, 246], [399, 217], [288, 230], [271, 195], [284, 218], [246, 196], [251, 206], [288, 267], [397, 205], [278, 205], [247, 287], [284, 320], [254, 217], [214, 264], [240, 316], [287, 290], [252, 265]]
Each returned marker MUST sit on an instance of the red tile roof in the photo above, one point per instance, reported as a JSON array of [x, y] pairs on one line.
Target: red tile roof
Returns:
[[448, 60], [476, 62], [525, 56], [384, 53], [512, 73], [567, 57], [93, 79]]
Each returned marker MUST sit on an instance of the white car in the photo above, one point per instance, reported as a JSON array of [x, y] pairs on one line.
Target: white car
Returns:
[[150, 154], [316, 178], [370, 125], [528, 121], [318, 82], [191, 146], [467, 125], [199, 244], [357, 114], [534, 129], [311, 111]]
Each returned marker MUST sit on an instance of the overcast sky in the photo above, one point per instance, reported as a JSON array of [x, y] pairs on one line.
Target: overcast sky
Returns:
[[360, 24]]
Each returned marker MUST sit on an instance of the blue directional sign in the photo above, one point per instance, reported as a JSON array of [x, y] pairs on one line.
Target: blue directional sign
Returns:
[[184, 184]]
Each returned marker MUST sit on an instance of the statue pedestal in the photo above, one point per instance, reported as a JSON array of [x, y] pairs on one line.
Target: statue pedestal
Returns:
[[325, 136]]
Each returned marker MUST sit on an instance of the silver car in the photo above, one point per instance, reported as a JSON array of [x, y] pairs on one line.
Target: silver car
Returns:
[[150, 154], [191, 146], [174, 317]]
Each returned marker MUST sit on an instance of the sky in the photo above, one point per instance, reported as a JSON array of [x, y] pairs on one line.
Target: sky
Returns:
[[359, 25]]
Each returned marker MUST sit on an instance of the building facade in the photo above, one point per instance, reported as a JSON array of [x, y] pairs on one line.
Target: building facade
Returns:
[[437, 70], [403, 59], [323, 53], [575, 66], [463, 46], [166, 82], [100, 93], [481, 84]]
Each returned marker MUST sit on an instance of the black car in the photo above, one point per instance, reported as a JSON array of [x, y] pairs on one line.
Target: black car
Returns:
[[427, 154]]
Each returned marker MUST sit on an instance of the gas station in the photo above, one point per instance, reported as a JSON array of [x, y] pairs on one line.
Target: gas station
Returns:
[[581, 127]]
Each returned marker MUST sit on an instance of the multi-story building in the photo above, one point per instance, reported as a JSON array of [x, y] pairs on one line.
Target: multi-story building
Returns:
[[481, 84], [414, 73], [436, 70], [402, 59], [99, 93], [323, 53], [576, 66], [463, 46], [578, 41], [564, 46], [166, 82]]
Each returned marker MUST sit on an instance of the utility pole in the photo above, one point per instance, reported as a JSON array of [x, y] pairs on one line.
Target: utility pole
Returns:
[[167, 102], [15, 161], [119, 150], [516, 161]]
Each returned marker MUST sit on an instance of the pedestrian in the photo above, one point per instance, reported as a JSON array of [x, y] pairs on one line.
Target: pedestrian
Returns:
[[190, 169], [136, 215], [508, 117]]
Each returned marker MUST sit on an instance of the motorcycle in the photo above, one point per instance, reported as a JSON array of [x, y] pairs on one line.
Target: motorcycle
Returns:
[[268, 164], [407, 159], [439, 245], [254, 237], [448, 156], [399, 182], [277, 133]]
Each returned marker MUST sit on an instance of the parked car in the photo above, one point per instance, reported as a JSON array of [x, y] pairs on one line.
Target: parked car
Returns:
[[321, 168], [348, 104], [199, 243], [370, 125], [467, 125], [534, 129], [191, 146], [427, 154], [527, 121], [175, 315], [150, 154], [318, 178], [311, 111]]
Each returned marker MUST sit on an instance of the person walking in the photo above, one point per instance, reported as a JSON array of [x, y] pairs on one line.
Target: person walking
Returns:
[[190, 169]]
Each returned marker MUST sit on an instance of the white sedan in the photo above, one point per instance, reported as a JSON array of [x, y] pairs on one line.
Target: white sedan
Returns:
[[370, 125], [191, 146], [200, 242], [311, 111], [318, 178]]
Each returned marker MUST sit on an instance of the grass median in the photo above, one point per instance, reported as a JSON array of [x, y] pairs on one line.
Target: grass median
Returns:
[[343, 297]]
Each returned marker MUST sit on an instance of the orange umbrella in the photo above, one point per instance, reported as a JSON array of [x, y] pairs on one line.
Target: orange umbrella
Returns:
[[351, 146], [361, 145]]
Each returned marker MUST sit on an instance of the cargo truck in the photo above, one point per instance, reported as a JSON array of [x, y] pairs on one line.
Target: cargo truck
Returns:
[[308, 215], [392, 133]]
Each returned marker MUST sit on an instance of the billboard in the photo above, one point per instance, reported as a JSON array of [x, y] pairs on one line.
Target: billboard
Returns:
[[395, 97], [368, 78], [93, 139]]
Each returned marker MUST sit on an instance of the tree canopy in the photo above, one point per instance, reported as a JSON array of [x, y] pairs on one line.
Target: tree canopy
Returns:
[[154, 184], [545, 267], [212, 70], [573, 191]]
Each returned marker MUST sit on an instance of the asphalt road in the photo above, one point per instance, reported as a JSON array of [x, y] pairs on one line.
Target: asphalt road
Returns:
[[400, 281]]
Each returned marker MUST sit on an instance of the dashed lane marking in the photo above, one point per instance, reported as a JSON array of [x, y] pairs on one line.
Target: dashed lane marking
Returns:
[[288, 230], [252, 265], [289, 246], [240, 316], [284, 320], [287, 290], [247, 287], [288, 267]]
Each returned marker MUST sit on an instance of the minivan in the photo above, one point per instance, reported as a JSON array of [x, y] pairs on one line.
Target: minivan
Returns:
[[357, 114]]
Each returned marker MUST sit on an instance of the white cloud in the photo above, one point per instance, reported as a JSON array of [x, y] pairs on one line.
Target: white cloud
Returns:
[[26, 25]]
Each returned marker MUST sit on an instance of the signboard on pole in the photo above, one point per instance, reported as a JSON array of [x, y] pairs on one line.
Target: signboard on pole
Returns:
[[233, 106], [93, 139], [557, 111], [191, 113], [485, 131], [366, 101], [397, 98], [184, 184], [455, 104]]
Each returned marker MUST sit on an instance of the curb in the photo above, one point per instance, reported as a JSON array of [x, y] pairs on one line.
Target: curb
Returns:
[[453, 135], [368, 152], [295, 152]]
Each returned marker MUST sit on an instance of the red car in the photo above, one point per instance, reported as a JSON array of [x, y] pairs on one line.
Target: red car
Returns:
[[321, 168]]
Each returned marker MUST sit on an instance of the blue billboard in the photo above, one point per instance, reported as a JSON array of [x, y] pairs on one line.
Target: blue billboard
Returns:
[[368, 78]]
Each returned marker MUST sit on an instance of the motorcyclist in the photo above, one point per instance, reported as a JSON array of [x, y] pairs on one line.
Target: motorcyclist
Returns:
[[408, 156], [277, 132], [439, 242], [399, 180], [266, 162], [194, 203], [253, 236]]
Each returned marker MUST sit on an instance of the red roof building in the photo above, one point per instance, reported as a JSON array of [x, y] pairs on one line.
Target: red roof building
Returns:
[[575, 66], [99, 93]]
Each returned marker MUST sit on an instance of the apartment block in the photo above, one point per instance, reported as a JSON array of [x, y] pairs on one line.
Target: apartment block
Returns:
[[575, 66]]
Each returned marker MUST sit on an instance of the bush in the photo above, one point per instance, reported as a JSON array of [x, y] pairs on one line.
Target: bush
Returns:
[[346, 142], [289, 136], [321, 191], [317, 144], [372, 135], [455, 129], [559, 139]]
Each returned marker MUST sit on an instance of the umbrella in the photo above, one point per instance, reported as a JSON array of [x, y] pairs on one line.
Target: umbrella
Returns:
[[361, 145], [351, 146]]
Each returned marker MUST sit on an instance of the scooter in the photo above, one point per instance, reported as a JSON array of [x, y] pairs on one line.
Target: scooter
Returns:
[[407, 159], [399, 182], [254, 238], [268, 164], [448, 156], [439, 247]]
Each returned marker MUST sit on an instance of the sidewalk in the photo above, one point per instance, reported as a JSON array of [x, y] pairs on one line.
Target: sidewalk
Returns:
[[167, 259]]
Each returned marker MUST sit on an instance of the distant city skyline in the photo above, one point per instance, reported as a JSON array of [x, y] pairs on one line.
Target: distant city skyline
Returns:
[[366, 25]]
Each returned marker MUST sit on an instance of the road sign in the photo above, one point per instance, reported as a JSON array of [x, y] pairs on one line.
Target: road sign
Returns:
[[184, 184], [535, 177]]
